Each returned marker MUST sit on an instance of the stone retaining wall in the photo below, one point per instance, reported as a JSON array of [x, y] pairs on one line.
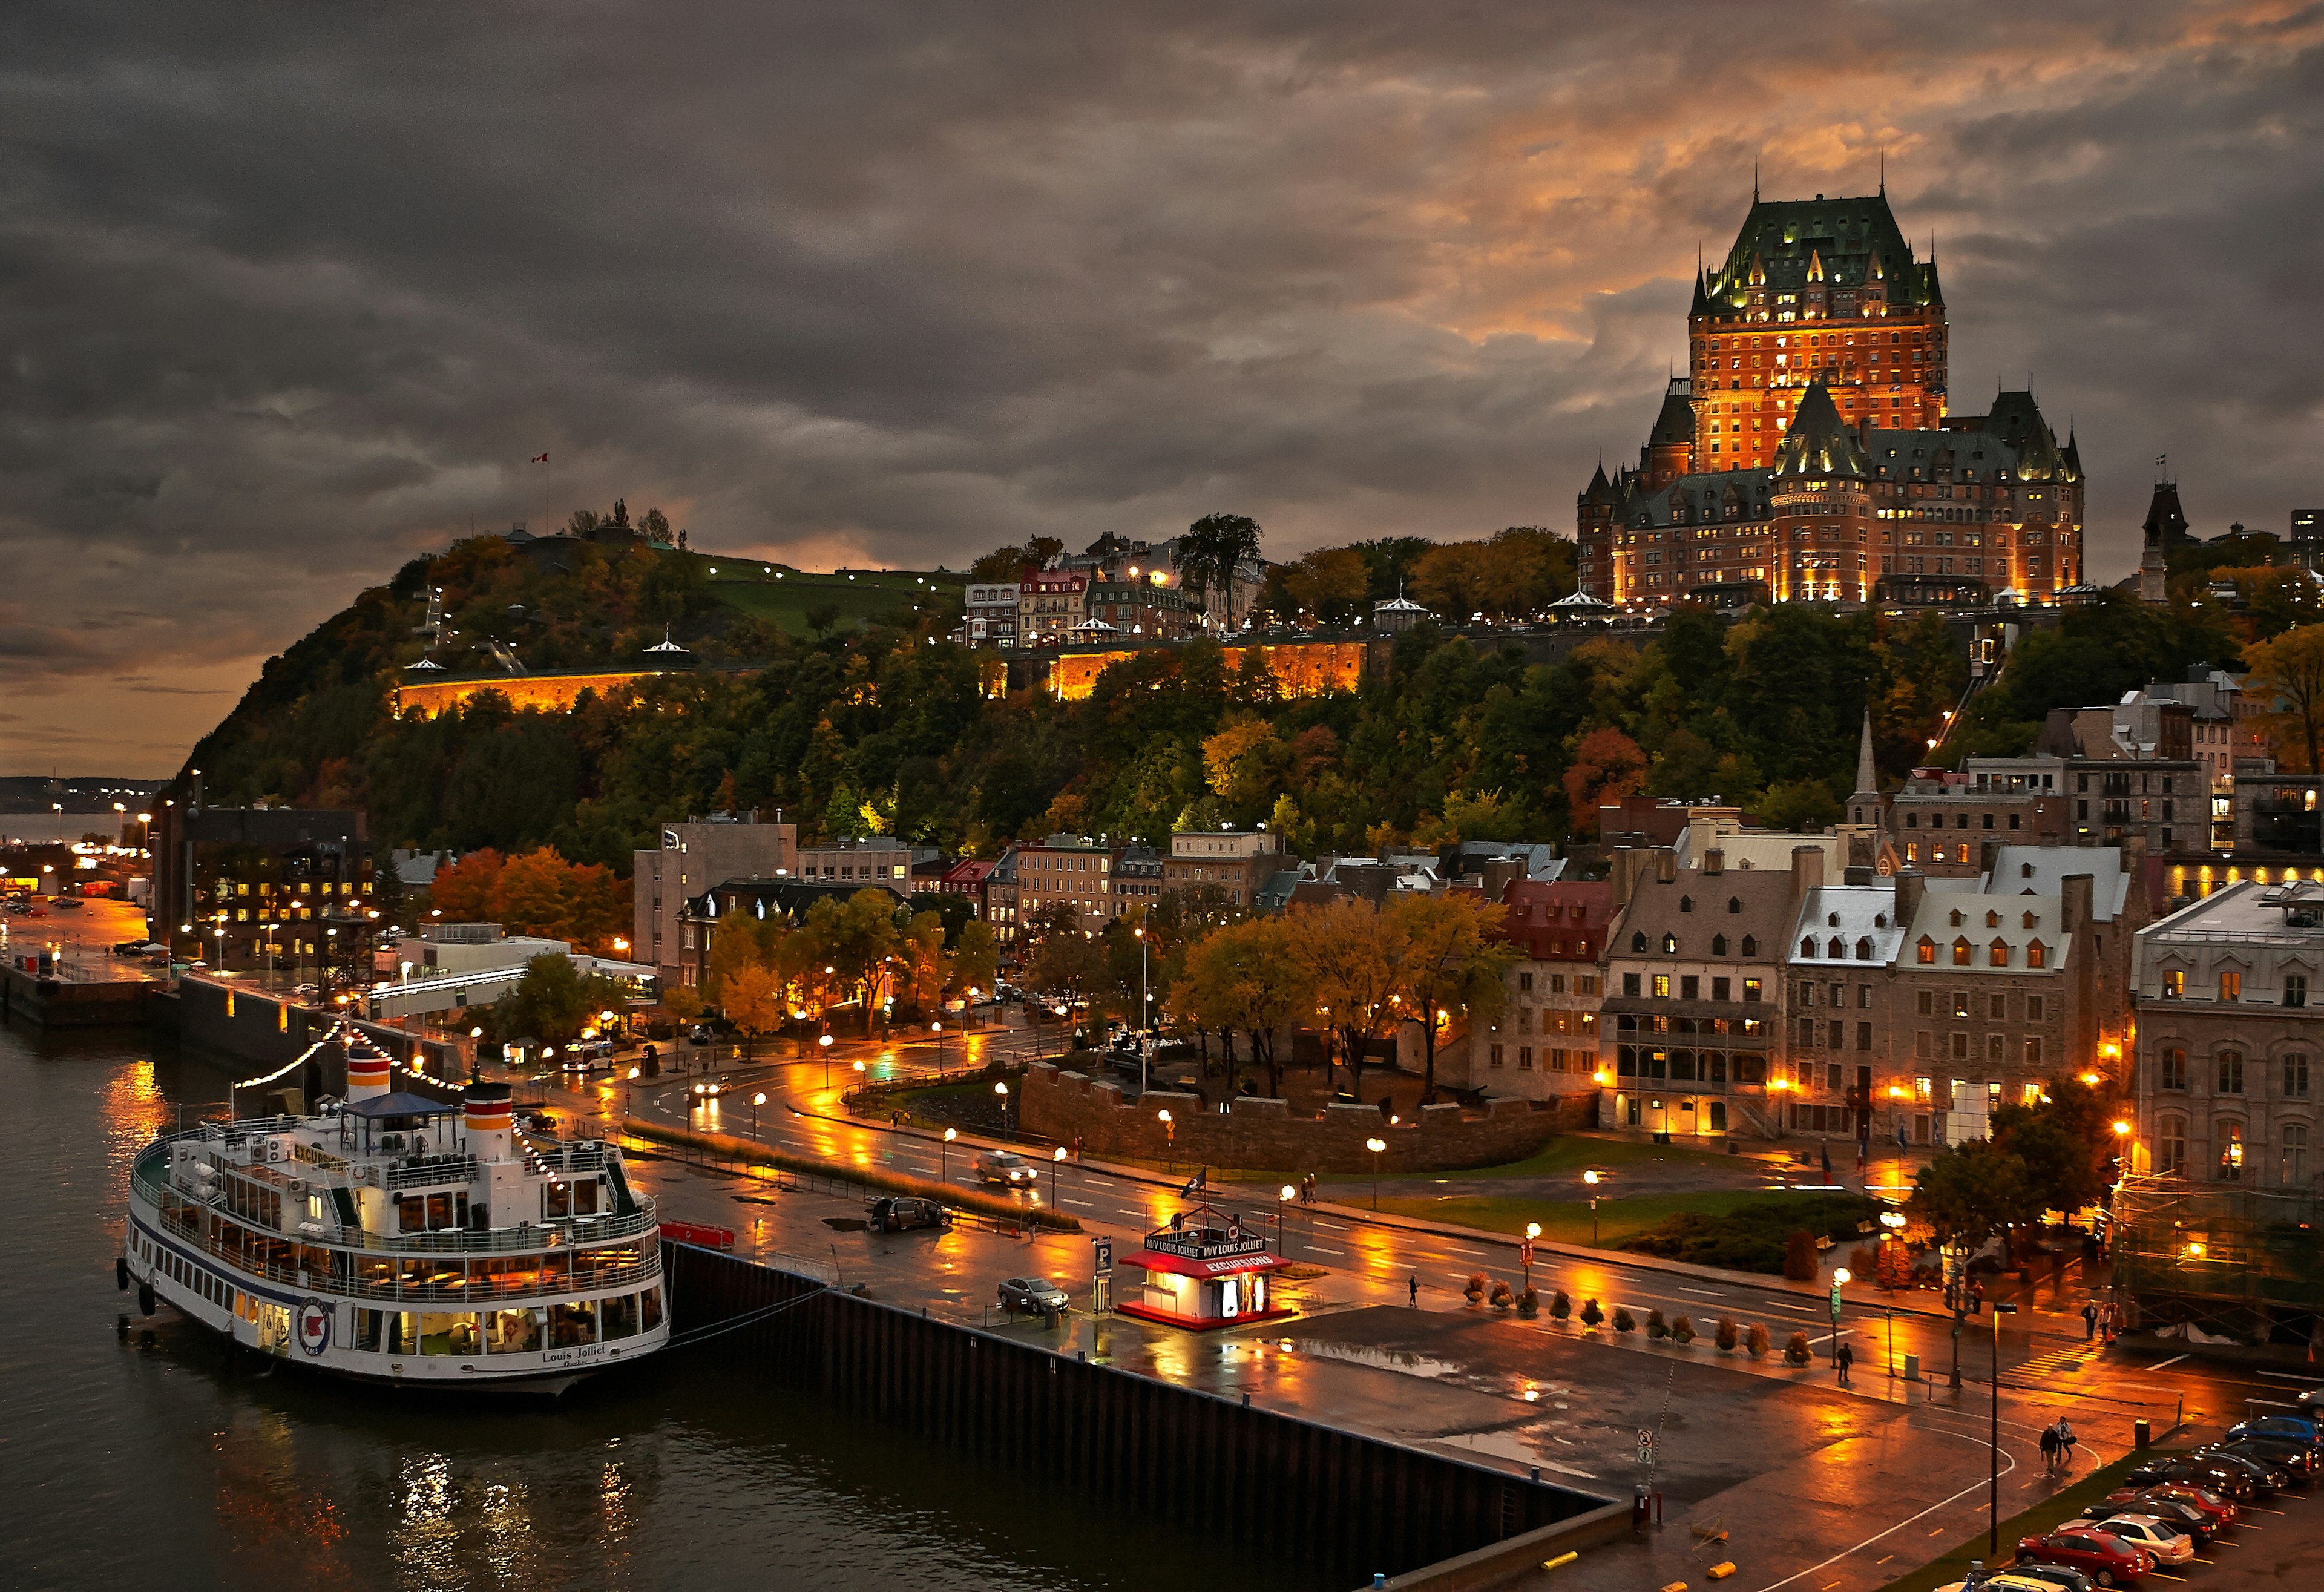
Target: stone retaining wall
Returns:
[[1262, 1135]]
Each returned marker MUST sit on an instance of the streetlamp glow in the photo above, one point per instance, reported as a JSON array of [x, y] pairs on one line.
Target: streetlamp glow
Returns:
[[944, 1156], [1376, 1146], [1001, 1089], [1842, 1276]]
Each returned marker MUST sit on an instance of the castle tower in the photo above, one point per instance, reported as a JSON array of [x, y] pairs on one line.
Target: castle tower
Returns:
[[1669, 452], [1813, 291], [2165, 528]]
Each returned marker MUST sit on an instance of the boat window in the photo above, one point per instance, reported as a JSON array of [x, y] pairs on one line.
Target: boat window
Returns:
[[585, 1197], [650, 1307], [555, 1198], [571, 1325], [512, 1332], [621, 1313], [370, 1330], [410, 1214], [449, 1334], [439, 1211]]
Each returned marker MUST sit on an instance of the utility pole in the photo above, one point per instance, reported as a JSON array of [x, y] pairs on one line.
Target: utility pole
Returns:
[[1993, 1457]]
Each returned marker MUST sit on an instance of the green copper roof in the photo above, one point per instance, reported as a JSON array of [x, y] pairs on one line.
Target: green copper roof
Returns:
[[1849, 240]]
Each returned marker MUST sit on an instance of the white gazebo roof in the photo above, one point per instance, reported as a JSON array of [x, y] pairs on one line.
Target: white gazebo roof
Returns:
[[1580, 601], [425, 666]]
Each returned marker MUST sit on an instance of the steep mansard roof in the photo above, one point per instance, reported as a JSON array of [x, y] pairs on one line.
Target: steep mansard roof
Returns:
[[1674, 426], [1848, 241]]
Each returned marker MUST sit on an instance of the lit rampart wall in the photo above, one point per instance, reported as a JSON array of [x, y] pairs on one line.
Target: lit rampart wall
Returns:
[[1301, 669], [542, 691]]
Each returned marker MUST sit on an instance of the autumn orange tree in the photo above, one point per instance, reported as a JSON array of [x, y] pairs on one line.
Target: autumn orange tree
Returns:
[[1451, 963], [1244, 975], [535, 892], [1349, 955]]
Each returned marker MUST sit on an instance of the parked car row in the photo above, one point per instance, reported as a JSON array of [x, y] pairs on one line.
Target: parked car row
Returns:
[[2163, 1518]]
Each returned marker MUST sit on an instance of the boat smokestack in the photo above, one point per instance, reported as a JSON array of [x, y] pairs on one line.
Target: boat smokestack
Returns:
[[367, 1068], [489, 1119]]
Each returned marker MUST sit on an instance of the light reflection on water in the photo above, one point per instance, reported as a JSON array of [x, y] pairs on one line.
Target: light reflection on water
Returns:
[[154, 1459]]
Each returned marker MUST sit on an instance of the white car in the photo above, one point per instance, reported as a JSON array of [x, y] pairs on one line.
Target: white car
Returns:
[[2169, 1544]]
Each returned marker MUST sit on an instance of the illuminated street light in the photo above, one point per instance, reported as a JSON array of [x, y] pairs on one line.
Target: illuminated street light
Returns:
[[757, 1100], [1590, 1179], [944, 1156], [1376, 1146], [1001, 1089], [1533, 1232], [1055, 1161]]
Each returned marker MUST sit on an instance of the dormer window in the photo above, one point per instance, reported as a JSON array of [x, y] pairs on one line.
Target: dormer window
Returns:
[[1864, 950], [1639, 940], [1751, 945], [1997, 953], [2026, 870], [1993, 919], [1838, 949], [1734, 904], [2031, 922], [1961, 953], [1957, 918], [1670, 945], [1807, 946], [1831, 920], [2037, 955], [1718, 945], [1925, 953], [1687, 904]]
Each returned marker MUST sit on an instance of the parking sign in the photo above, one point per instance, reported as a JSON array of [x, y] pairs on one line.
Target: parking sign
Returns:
[[1102, 1249]]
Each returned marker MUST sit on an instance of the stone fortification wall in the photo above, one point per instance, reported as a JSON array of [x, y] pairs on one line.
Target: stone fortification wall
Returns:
[[1262, 1135]]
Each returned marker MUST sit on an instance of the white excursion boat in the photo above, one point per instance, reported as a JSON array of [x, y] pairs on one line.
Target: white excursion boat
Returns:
[[403, 1240]]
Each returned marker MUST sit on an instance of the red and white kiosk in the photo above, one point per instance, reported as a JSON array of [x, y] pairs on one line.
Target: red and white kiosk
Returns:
[[1204, 1270]]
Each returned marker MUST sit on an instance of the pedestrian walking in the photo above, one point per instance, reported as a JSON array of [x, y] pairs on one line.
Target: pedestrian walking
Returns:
[[1845, 1358], [2066, 1440], [2090, 1320], [2107, 1320], [1412, 1291], [1976, 1299], [2049, 1448]]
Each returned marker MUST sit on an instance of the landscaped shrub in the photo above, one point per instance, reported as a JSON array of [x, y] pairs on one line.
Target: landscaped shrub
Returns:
[[1561, 1307], [1750, 1238], [1726, 1334], [1591, 1314], [1757, 1341], [1795, 1352], [1682, 1330], [1800, 1263], [1530, 1302], [1864, 1260], [1624, 1321], [1476, 1289], [1502, 1297], [1655, 1327]]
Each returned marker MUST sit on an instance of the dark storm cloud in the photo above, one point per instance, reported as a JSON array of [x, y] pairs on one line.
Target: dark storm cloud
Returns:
[[291, 294]]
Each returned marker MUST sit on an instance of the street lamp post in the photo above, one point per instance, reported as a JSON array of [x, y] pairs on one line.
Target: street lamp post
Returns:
[[1591, 1178], [1145, 1001], [1993, 1458], [1283, 1220], [1837, 1277], [1001, 1089], [1376, 1146], [1055, 1161], [824, 1044], [1533, 1232], [757, 1100], [627, 1084], [944, 1156], [1169, 1131]]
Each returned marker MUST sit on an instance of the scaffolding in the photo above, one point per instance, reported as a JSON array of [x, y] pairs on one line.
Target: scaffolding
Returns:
[[2246, 1262]]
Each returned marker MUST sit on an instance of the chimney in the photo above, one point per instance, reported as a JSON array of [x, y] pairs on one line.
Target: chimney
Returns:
[[367, 1068], [489, 1119], [1911, 885], [2075, 909], [1714, 861], [1857, 873], [1666, 865], [1807, 870], [1630, 867]]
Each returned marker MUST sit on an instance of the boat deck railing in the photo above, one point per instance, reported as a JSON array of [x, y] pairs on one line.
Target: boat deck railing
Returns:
[[151, 1176], [477, 1292]]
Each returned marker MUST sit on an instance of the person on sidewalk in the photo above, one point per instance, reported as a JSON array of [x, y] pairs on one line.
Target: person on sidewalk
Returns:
[[2090, 1320], [2049, 1448], [2066, 1440], [1412, 1290], [1845, 1358]]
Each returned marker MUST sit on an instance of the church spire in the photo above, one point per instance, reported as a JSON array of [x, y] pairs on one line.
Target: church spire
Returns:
[[1865, 808]]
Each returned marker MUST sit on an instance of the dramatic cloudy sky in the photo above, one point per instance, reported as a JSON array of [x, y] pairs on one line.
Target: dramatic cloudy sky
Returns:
[[291, 293]]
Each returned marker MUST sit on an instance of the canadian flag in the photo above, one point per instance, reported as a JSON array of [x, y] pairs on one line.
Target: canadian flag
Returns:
[[541, 458]]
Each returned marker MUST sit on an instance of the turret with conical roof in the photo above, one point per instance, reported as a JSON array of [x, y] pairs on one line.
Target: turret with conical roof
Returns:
[[1866, 808], [1820, 443], [1669, 452], [2165, 528]]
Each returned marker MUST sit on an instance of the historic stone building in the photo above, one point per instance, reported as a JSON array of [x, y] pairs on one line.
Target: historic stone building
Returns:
[[1809, 455]]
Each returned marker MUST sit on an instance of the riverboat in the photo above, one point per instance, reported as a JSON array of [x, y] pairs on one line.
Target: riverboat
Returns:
[[402, 1240]]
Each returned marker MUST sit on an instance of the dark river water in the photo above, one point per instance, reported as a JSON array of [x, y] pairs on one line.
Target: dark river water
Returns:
[[153, 1461]]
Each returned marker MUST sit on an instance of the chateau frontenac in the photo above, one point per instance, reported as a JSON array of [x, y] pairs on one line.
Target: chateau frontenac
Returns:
[[1809, 454]]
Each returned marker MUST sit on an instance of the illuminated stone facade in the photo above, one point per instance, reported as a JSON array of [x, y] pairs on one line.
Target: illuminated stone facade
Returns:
[[1807, 455], [540, 692], [1300, 669]]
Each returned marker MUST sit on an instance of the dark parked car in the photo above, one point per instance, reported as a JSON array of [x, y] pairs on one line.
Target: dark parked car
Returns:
[[1032, 1293], [900, 1213], [2293, 1462], [2290, 1427], [2265, 1476], [2108, 1561], [2230, 1481], [2203, 1523], [133, 948]]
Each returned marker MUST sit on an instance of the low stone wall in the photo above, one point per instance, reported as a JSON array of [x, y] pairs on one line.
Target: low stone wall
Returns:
[[1262, 1135], [62, 1003]]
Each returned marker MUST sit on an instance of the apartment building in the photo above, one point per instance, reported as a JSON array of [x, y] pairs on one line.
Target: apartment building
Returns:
[[876, 859], [991, 609], [694, 857], [1546, 1041], [2228, 1038], [1136, 880], [999, 887], [1236, 861], [1065, 870], [1690, 1031], [1049, 604]]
